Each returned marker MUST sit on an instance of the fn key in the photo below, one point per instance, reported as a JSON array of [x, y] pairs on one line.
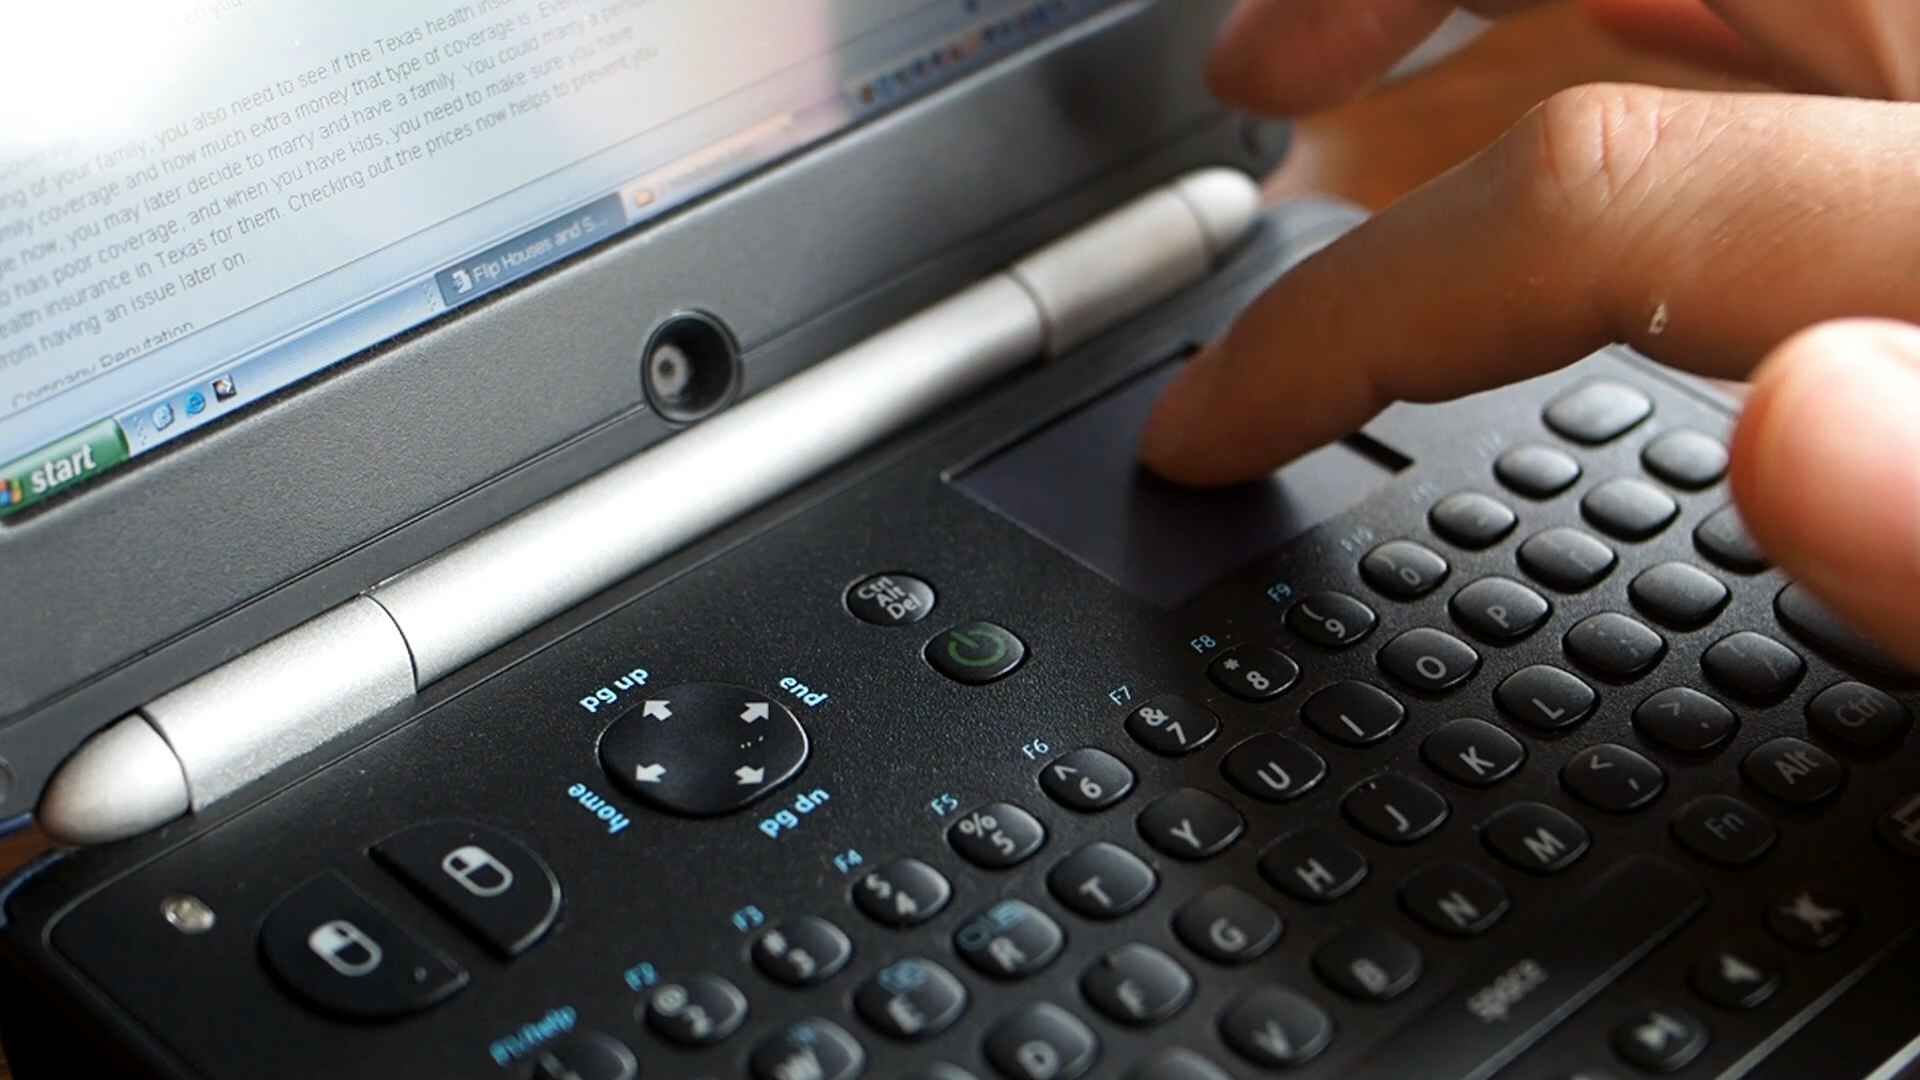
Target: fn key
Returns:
[[1498, 1014]]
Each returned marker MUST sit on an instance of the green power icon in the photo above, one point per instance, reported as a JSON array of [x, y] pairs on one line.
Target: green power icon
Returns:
[[976, 649]]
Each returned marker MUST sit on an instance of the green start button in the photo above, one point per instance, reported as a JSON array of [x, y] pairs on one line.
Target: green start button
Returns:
[[52, 469]]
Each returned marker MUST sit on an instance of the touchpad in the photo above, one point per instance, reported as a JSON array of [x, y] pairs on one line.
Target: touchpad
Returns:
[[1076, 483]]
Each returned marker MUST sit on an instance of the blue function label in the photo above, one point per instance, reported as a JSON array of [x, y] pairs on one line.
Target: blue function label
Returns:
[[788, 818], [807, 695], [605, 697], [532, 1035], [594, 803]]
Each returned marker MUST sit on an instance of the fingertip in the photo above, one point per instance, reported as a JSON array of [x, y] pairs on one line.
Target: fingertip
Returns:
[[1825, 381], [1288, 57], [1686, 29], [1169, 445], [1826, 470]]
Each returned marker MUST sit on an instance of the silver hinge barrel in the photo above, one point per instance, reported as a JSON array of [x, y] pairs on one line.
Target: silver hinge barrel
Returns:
[[217, 733]]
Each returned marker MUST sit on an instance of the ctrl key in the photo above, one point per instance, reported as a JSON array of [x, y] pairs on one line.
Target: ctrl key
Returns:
[[334, 949]]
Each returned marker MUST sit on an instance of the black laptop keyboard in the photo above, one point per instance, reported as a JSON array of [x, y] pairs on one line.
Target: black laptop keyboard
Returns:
[[1632, 909], [1212, 875]]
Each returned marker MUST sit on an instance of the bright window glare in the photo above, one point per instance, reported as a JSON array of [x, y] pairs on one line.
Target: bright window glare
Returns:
[[134, 50]]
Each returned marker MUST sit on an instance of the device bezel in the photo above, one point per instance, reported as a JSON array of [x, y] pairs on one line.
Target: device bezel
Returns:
[[144, 580]]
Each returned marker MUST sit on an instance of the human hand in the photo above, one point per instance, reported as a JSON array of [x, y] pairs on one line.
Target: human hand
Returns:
[[1721, 233]]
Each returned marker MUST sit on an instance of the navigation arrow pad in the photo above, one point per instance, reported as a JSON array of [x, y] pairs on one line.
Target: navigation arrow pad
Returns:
[[693, 765]]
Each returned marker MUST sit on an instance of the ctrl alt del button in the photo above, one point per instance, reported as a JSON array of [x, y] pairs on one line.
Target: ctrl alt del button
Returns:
[[333, 948]]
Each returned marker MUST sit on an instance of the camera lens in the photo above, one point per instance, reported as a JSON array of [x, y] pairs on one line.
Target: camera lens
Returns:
[[690, 368]]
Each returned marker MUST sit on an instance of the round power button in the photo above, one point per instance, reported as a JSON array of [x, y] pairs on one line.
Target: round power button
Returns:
[[975, 653], [890, 600]]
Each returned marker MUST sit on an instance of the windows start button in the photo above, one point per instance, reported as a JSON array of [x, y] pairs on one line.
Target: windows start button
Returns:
[[52, 469]]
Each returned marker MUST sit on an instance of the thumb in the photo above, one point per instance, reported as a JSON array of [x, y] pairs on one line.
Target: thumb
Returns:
[[1827, 472]]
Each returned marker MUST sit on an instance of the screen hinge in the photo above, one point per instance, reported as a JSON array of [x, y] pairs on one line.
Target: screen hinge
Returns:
[[210, 737]]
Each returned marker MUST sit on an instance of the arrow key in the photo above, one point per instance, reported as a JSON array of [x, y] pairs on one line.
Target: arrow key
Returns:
[[703, 749], [1275, 1028], [1660, 1040], [1738, 975]]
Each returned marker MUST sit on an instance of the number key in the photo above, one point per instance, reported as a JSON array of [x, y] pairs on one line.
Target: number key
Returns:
[[1173, 726], [1087, 779], [1403, 569], [1254, 672], [903, 893], [802, 952], [1331, 620], [997, 836]]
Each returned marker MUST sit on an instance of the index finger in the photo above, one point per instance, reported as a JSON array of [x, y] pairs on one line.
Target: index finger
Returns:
[[1703, 229]]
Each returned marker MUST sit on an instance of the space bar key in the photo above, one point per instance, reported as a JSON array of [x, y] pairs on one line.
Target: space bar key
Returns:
[[1495, 1016]]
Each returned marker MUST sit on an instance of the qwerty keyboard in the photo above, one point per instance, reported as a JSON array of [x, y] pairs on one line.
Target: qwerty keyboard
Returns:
[[1530, 763]]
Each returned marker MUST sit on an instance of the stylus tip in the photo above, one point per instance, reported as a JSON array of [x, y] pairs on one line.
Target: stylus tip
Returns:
[[123, 781]]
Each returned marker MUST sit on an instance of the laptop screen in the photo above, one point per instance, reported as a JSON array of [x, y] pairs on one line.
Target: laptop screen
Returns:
[[203, 202]]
